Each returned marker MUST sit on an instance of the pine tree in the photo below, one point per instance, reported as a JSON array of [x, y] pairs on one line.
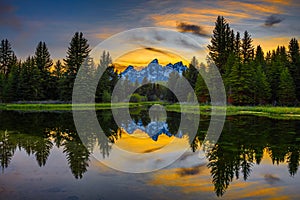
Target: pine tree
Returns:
[[191, 73], [294, 65], [247, 48], [42, 58], [286, 90], [84, 83], [29, 87], [44, 63], [108, 78], [7, 57], [241, 84], [58, 70], [220, 42], [76, 54], [237, 45], [259, 57]]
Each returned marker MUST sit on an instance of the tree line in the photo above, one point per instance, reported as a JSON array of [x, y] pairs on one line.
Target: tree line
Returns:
[[250, 76], [38, 79]]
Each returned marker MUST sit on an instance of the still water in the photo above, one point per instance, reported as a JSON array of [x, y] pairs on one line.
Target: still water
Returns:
[[42, 157]]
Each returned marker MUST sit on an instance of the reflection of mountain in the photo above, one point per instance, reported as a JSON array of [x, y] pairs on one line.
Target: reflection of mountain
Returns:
[[154, 129], [153, 72]]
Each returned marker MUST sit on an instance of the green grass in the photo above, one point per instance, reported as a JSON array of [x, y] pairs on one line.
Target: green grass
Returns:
[[66, 107], [292, 113], [287, 113]]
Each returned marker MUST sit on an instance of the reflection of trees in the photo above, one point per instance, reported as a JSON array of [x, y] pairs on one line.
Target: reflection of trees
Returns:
[[293, 159], [36, 133], [41, 149], [110, 132], [242, 144], [77, 156], [7, 149]]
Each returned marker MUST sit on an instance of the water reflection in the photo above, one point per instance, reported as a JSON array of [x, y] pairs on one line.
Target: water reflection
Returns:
[[243, 144]]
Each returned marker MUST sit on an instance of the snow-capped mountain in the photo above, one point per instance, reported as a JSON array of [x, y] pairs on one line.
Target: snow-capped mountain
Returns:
[[154, 71]]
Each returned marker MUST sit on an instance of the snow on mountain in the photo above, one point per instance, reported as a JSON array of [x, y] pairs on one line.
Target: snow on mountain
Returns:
[[154, 71]]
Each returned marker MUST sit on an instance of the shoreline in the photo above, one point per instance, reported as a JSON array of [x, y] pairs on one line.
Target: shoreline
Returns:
[[286, 113]]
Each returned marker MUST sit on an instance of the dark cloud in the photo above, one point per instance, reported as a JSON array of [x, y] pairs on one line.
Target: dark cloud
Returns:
[[272, 20], [8, 17], [157, 50], [190, 171], [152, 150], [271, 179], [191, 28]]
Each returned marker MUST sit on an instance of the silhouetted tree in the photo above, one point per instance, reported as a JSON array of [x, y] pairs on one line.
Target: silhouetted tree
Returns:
[[77, 52], [220, 43]]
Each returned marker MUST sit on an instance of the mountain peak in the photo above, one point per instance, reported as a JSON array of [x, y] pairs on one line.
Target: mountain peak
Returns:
[[155, 61]]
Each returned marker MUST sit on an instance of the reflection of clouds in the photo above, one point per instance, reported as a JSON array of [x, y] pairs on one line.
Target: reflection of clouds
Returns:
[[271, 179], [194, 178], [191, 170], [197, 181]]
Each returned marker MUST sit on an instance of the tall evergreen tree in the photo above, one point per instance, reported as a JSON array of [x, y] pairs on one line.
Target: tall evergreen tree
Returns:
[[259, 57], [44, 62], [247, 48], [294, 65], [76, 54], [7, 57], [220, 43], [237, 45], [42, 58]]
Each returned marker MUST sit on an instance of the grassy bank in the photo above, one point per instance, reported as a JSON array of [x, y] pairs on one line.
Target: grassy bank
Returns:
[[292, 113], [66, 107], [288, 113]]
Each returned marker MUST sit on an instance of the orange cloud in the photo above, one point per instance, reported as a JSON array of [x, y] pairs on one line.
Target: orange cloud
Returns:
[[142, 57], [279, 2], [233, 10], [216, 12], [251, 8]]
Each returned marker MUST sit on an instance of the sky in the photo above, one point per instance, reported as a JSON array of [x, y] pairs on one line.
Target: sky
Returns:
[[25, 23]]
